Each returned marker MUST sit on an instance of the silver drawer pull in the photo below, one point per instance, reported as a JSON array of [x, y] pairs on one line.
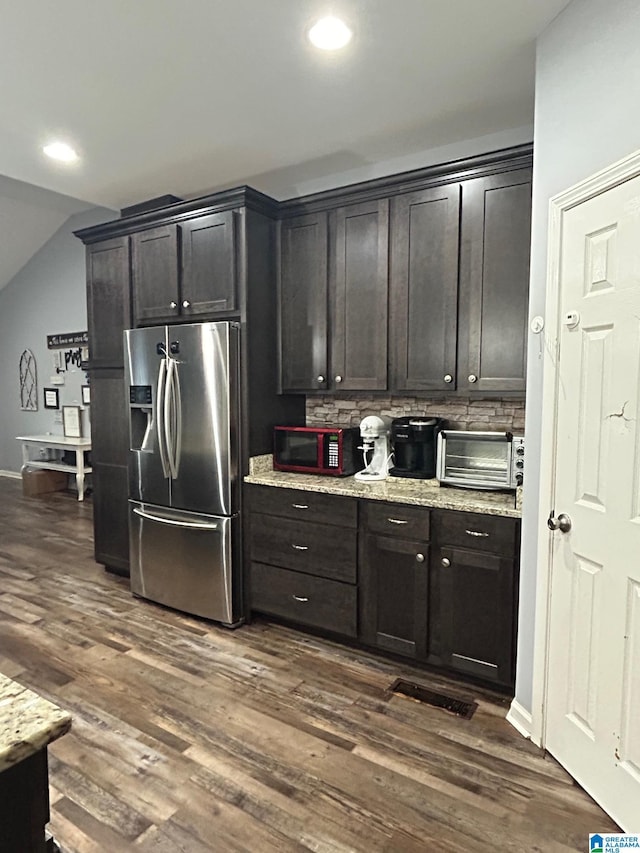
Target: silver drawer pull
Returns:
[[477, 533], [300, 547], [300, 598], [300, 506], [397, 521]]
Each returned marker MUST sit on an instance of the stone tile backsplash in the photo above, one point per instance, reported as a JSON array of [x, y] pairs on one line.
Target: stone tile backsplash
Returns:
[[495, 415]]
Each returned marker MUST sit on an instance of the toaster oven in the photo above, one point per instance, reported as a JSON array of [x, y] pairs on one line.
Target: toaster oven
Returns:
[[480, 460]]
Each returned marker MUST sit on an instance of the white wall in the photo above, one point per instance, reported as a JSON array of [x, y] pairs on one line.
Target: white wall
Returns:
[[587, 96], [46, 297]]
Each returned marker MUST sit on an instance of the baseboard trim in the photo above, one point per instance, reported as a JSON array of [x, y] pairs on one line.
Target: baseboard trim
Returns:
[[520, 719], [15, 475]]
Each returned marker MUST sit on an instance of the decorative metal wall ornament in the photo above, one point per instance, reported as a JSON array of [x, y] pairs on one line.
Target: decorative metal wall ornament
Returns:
[[28, 382]]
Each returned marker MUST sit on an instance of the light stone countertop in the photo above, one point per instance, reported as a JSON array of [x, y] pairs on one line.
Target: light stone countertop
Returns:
[[27, 722], [394, 489]]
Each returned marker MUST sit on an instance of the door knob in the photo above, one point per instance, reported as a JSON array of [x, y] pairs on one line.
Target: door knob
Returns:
[[561, 523], [448, 378], [173, 305], [473, 378], [186, 303], [445, 562]]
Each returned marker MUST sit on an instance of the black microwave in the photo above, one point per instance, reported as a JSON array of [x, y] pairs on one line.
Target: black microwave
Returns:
[[317, 450]]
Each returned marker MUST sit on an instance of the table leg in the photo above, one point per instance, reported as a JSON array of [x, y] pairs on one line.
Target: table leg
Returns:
[[80, 473]]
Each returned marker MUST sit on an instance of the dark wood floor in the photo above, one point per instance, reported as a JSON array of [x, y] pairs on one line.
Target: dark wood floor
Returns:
[[189, 737]]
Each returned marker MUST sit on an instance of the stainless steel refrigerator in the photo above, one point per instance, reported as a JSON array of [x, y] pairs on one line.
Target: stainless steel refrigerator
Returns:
[[184, 524]]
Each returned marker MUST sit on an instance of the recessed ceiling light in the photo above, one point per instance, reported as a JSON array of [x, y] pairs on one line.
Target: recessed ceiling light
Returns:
[[330, 34], [60, 151]]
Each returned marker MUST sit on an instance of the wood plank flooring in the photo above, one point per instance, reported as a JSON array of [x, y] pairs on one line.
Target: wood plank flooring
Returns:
[[190, 737]]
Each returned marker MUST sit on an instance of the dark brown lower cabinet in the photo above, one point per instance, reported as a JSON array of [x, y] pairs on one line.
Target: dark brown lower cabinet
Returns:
[[306, 599], [111, 520], [393, 592], [436, 586], [473, 595], [472, 613]]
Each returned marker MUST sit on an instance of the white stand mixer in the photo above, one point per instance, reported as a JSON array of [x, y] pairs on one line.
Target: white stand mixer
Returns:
[[375, 432]]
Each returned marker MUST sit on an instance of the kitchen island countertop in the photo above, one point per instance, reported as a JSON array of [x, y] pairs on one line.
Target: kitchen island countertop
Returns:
[[28, 723], [426, 493]]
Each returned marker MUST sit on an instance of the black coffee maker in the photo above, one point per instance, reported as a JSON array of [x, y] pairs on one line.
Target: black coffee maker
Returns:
[[414, 439]]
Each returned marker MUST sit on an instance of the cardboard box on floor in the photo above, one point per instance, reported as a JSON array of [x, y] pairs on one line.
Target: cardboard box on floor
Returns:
[[38, 481]]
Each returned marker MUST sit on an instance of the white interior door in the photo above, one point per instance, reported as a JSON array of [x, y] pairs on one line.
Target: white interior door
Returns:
[[593, 687]]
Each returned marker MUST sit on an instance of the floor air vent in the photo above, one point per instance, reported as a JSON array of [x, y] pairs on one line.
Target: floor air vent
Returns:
[[462, 709]]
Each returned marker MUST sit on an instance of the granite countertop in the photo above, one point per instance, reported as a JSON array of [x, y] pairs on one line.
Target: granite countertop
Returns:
[[27, 722], [394, 489]]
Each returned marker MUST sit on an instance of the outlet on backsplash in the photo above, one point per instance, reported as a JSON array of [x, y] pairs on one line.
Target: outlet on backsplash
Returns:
[[502, 414]]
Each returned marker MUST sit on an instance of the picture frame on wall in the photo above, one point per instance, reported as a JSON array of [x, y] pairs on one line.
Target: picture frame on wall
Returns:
[[51, 398], [71, 421], [86, 395]]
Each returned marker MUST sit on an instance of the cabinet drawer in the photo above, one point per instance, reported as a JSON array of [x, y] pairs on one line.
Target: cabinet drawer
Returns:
[[410, 522], [477, 531], [321, 603], [307, 506], [317, 549]]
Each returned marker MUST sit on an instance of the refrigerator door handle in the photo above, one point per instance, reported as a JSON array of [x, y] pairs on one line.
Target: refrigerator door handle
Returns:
[[160, 412], [175, 523], [173, 418], [177, 403]]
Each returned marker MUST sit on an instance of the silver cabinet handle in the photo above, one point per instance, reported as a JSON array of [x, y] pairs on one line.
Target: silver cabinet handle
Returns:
[[186, 303], [338, 379], [445, 562], [397, 521], [476, 533], [300, 506], [448, 378], [300, 547], [320, 378], [473, 378], [420, 558], [173, 305], [300, 598]]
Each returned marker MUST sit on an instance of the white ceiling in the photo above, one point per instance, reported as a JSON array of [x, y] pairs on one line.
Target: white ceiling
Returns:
[[160, 96]]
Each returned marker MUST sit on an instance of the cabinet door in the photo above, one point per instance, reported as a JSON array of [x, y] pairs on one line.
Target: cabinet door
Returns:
[[208, 265], [494, 281], [393, 584], [108, 300], [109, 455], [359, 289], [155, 275], [109, 418], [303, 285], [110, 516], [472, 613], [425, 230]]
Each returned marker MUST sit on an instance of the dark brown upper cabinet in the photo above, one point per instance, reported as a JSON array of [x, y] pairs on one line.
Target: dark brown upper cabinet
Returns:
[[425, 233], [303, 294], [108, 300], [333, 299], [184, 270], [494, 282], [359, 288]]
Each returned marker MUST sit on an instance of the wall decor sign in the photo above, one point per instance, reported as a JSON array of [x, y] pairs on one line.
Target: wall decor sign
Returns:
[[86, 395], [28, 382], [71, 423], [67, 339], [51, 398]]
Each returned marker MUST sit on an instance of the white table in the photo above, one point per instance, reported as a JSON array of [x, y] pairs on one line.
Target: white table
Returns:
[[57, 442]]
